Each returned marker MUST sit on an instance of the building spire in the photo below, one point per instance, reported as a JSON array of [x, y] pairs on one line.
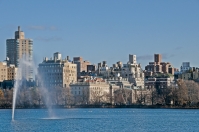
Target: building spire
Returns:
[[19, 28]]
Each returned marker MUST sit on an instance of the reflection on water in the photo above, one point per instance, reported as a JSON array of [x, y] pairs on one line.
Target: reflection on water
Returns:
[[100, 120]]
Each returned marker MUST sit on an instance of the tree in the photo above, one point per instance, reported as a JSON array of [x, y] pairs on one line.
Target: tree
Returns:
[[123, 96], [96, 97], [193, 92], [181, 93], [142, 96]]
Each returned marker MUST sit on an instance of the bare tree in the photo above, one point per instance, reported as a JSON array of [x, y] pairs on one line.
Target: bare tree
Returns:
[[182, 93], [123, 96], [193, 92], [142, 96], [98, 97], [67, 97]]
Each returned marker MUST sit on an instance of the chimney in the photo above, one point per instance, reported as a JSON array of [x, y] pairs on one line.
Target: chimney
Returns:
[[67, 58]]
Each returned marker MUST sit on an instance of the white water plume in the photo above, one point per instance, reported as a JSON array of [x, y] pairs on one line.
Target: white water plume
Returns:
[[46, 93], [24, 73]]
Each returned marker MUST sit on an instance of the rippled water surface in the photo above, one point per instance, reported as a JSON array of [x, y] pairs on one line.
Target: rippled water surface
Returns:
[[106, 120]]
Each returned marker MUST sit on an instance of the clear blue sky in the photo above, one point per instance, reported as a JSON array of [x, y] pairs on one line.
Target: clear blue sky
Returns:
[[105, 29]]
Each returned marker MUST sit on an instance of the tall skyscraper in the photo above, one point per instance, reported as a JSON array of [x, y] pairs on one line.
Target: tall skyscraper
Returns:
[[20, 48]]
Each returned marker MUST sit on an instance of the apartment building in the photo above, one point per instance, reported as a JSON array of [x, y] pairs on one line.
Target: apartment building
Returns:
[[158, 66], [134, 72], [56, 72]]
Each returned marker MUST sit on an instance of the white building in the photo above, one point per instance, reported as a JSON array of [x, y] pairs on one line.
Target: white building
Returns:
[[56, 72], [94, 91], [133, 72]]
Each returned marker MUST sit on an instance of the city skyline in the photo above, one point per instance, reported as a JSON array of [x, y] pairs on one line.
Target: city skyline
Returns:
[[110, 32], [106, 65]]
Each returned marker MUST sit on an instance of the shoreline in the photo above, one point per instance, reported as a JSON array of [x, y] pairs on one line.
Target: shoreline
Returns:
[[109, 107]]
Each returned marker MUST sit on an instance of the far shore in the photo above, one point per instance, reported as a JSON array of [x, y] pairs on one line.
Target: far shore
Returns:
[[107, 106]]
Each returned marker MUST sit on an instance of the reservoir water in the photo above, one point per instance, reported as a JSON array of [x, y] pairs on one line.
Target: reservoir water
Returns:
[[102, 120]]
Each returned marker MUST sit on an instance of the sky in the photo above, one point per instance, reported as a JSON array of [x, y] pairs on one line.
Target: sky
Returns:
[[105, 29]]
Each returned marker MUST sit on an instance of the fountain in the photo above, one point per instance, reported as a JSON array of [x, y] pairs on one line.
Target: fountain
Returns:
[[24, 64]]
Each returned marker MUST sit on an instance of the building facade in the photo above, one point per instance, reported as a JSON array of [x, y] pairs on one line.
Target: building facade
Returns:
[[56, 72], [93, 91], [3, 71], [159, 82]]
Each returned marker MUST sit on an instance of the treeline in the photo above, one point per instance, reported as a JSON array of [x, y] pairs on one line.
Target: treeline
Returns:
[[184, 94]]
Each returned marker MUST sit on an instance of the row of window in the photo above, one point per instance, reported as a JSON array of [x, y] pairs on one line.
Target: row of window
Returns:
[[76, 92], [94, 88], [56, 66]]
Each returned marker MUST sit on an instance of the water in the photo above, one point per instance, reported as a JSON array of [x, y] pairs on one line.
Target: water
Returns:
[[102, 120]]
